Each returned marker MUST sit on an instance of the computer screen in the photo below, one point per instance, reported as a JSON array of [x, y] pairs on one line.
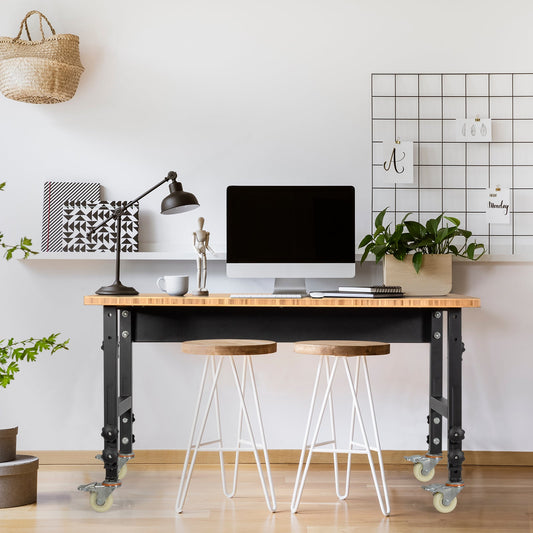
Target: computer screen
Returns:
[[300, 231]]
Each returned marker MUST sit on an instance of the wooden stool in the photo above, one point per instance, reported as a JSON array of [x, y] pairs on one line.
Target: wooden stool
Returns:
[[341, 351], [227, 349]]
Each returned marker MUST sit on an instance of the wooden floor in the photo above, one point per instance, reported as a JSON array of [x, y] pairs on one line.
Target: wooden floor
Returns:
[[495, 499]]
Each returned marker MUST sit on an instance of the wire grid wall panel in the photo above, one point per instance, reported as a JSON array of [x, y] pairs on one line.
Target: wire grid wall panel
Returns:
[[451, 175]]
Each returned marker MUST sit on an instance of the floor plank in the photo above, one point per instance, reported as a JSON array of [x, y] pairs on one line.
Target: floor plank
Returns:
[[495, 499]]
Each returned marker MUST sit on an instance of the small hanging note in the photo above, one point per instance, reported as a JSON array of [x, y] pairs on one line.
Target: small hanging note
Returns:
[[397, 161], [473, 130], [498, 205]]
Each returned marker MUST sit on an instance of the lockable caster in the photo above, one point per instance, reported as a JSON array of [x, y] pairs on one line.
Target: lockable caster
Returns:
[[444, 496], [418, 473], [101, 497], [424, 466], [438, 503], [93, 500]]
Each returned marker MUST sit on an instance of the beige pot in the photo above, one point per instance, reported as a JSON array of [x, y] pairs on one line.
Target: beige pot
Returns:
[[433, 279]]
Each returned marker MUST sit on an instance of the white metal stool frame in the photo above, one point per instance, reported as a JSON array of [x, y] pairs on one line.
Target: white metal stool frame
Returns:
[[354, 447], [197, 443]]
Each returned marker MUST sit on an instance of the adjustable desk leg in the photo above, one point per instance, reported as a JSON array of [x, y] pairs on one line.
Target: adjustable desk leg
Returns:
[[435, 385], [101, 497], [424, 465], [125, 413], [445, 494], [110, 429], [456, 433]]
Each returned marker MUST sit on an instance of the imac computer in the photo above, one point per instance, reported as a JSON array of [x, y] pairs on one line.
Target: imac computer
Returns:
[[290, 233]]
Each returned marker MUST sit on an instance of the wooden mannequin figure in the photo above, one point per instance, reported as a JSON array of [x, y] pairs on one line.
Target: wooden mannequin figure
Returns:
[[201, 245]]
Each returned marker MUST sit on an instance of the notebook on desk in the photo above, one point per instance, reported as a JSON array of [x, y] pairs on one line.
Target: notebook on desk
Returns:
[[350, 294], [374, 289]]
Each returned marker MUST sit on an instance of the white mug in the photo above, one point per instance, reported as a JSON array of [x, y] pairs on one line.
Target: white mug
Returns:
[[174, 285]]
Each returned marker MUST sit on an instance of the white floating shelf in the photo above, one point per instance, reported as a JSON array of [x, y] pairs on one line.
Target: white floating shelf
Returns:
[[219, 256], [124, 256]]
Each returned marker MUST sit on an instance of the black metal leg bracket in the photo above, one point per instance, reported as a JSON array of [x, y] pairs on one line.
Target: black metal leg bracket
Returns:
[[110, 429], [437, 404], [456, 433]]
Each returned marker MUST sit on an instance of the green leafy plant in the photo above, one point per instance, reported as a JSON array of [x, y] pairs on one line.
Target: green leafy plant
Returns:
[[23, 245], [411, 237], [12, 351]]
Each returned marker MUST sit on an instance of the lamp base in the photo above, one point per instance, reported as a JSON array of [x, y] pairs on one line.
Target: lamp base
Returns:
[[117, 289]]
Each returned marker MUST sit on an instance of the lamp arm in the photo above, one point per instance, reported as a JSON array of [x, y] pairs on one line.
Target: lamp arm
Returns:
[[121, 210]]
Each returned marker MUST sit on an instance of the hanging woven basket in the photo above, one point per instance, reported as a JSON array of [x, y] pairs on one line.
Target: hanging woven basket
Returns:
[[40, 72]]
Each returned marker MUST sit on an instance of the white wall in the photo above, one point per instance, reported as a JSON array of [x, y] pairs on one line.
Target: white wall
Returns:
[[227, 93]]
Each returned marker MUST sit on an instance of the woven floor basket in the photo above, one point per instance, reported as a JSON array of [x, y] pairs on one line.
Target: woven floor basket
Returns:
[[40, 72]]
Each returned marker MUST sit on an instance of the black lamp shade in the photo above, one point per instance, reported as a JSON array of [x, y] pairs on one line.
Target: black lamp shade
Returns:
[[178, 201]]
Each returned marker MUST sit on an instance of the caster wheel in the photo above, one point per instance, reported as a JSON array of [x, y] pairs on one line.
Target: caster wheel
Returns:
[[441, 508], [122, 472], [417, 472], [100, 508]]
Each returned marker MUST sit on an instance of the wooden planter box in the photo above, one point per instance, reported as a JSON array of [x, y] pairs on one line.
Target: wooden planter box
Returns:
[[434, 278], [18, 481], [8, 444]]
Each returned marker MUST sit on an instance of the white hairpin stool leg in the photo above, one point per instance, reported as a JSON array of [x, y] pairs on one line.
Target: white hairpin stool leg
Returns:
[[188, 468], [270, 500], [334, 450], [384, 508], [350, 447], [238, 441], [295, 497], [227, 493], [261, 432], [384, 505], [300, 478]]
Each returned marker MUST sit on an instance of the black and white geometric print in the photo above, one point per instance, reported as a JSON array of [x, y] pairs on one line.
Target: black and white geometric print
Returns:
[[79, 218], [55, 195]]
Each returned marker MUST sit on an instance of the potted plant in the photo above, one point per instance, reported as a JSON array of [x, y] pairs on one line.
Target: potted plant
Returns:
[[418, 257], [18, 475]]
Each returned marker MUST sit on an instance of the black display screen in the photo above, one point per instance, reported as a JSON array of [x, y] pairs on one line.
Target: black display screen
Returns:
[[290, 224]]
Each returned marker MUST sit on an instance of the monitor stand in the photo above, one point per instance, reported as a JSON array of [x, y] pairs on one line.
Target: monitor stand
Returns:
[[290, 286]]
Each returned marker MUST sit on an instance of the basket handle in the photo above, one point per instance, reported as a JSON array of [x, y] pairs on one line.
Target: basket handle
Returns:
[[24, 24]]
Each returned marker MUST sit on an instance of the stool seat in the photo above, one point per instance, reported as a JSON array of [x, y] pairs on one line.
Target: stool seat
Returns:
[[229, 347], [342, 348]]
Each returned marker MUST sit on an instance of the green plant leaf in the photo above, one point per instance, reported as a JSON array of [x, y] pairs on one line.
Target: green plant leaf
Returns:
[[379, 219], [416, 229], [379, 251], [366, 239], [405, 217], [455, 221], [442, 234], [417, 261], [432, 226], [12, 352], [397, 232], [464, 233], [365, 254]]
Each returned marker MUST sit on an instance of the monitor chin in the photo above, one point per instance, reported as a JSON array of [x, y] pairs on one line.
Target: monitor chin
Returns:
[[290, 270]]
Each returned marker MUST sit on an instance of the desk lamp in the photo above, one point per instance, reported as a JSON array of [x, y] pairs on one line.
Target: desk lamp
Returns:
[[178, 201]]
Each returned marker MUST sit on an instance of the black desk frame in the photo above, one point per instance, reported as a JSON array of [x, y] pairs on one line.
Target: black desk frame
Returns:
[[125, 325]]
